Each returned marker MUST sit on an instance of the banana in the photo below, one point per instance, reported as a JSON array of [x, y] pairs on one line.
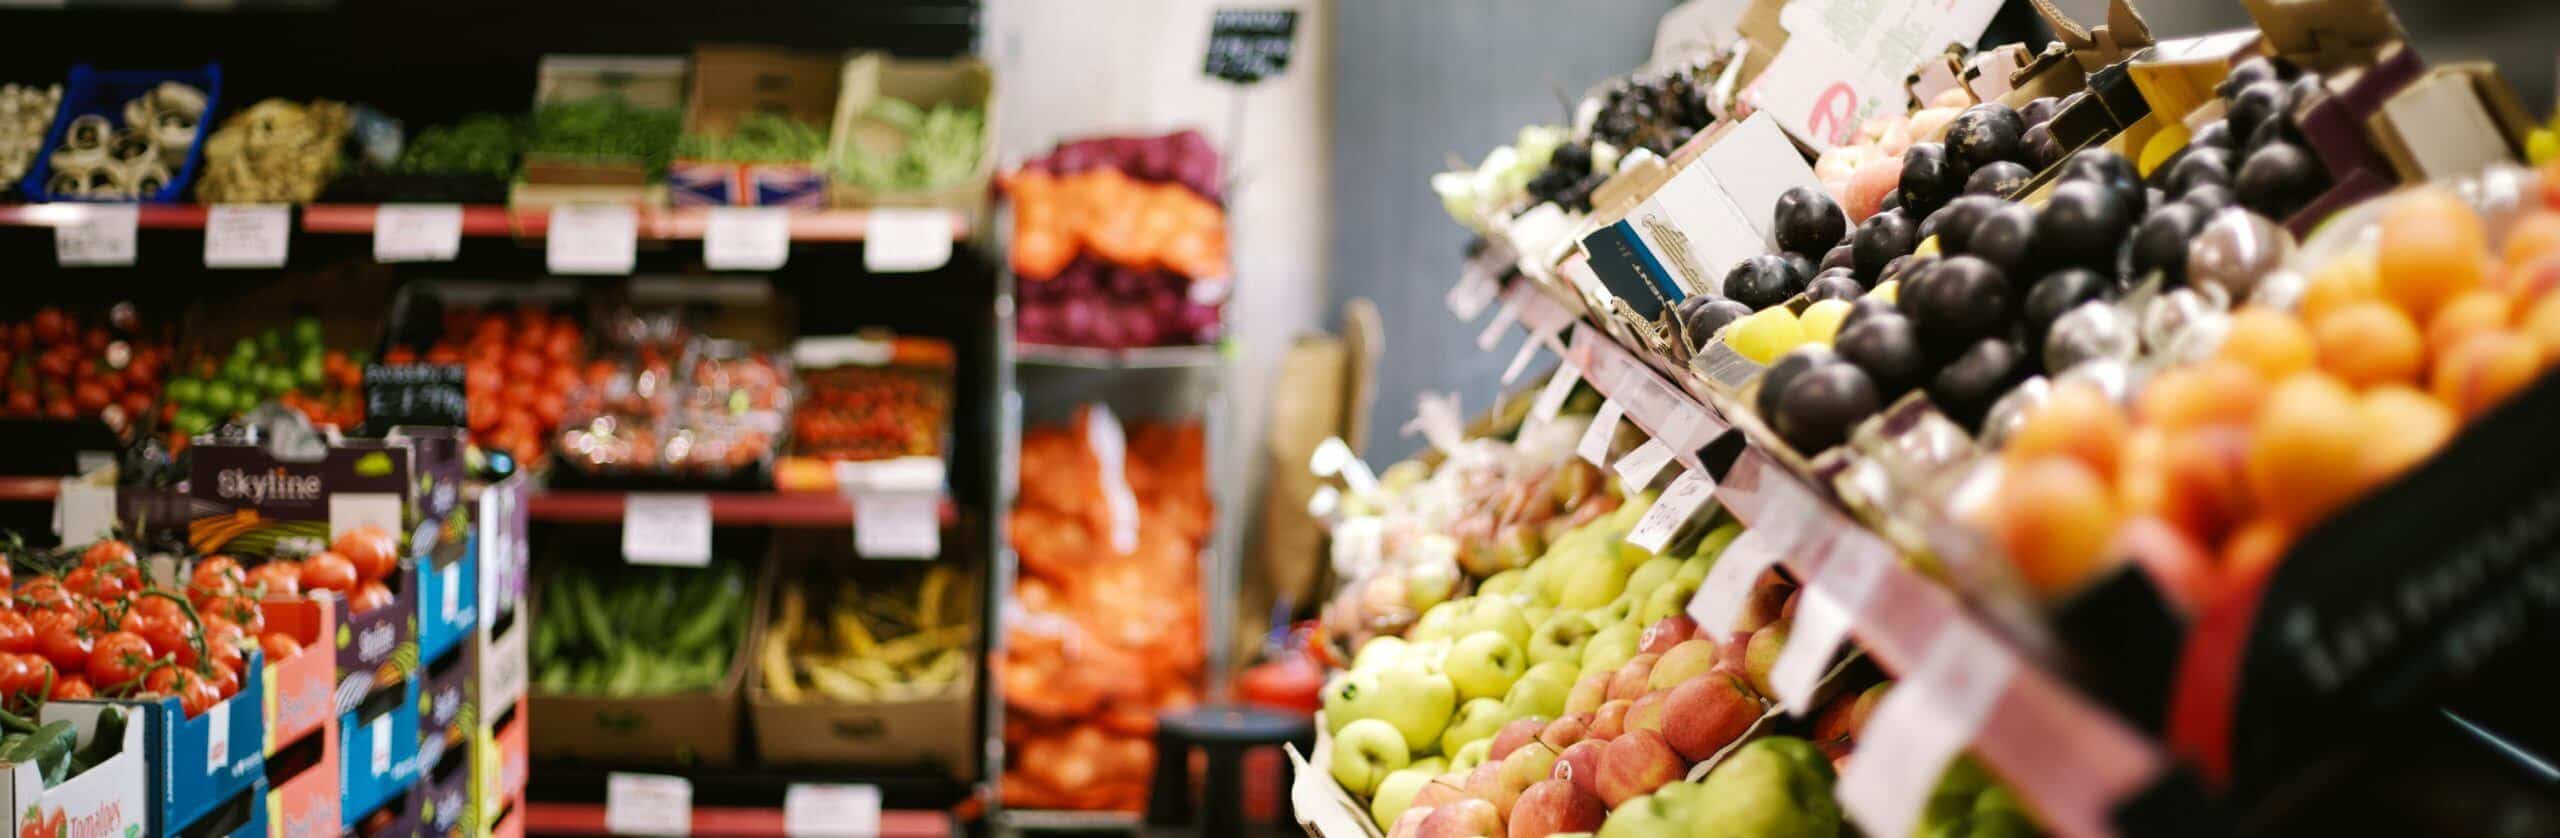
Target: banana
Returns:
[[842, 687], [852, 636], [929, 598], [779, 678]]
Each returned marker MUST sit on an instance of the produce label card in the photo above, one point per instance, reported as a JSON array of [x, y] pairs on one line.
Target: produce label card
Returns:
[[647, 804], [1922, 725], [417, 232], [1672, 512], [826, 810], [1249, 45], [1552, 397], [246, 235], [97, 236], [897, 524], [1594, 446], [592, 239], [905, 240], [1839, 591], [666, 529], [1845, 60], [746, 238]]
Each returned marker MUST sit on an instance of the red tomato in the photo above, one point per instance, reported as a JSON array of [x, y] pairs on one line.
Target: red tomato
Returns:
[[279, 646], [373, 551], [400, 355], [61, 642], [444, 355], [228, 658], [560, 346], [279, 579], [95, 582], [23, 403], [162, 680], [524, 367], [42, 591], [159, 608], [61, 410], [118, 657], [4, 578], [221, 631], [195, 694], [51, 325], [18, 675], [17, 635], [216, 576], [225, 681], [327, 571], [110, 551], [73, 686], [167, 637], [245, 613], [373, 595]]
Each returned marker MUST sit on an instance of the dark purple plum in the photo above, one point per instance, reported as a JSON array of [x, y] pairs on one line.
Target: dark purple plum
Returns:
[[1985, 134], [1783, 373], [2038, 146], [1808, 222], [2255, 69], [2038, 111], [1705, 320], [1762, 281], [2278, 180], [2160, 243], [1999, 179], [1965, 388], [1953, 224], [2209, 198], [2058, 292], [2106, 167], [1879, 239], [1963, 300], [2253, 105], [2080, 224], [1930, 176], [1887, 347], [2200, 165], [1865, 307], [2005, 238], [1837, 257], [1834, 285], [1820, 407]]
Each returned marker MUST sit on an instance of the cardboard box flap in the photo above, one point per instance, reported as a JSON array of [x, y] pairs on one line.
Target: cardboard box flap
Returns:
[[731, 81], [2325, 35], [2124, 33]]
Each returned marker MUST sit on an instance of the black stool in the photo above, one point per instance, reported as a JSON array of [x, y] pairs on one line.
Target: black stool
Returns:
[[1225, 732]]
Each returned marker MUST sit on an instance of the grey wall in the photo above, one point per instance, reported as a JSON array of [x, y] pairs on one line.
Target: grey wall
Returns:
[[1419, 80]]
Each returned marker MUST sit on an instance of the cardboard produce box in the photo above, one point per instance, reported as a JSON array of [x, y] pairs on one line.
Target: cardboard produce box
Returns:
[[110, 798], [378, 749], [302, 721], [731, 81], [303, 783], [501, 763], [935, 730], [679, 729], [925, 83], [196, 765]]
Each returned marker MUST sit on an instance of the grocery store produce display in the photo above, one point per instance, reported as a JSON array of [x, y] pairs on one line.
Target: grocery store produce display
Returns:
[[1120, 242], [596, 631]]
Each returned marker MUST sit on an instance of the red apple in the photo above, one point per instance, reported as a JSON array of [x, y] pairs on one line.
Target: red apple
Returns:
[[1524, 768], [1553, 806], [1441, 791], [1666, 633], [1636, 764], [1579, 764], [1647, 713], [1513, 734], [1768, 599], [1707, 713], [1464, 818], [1611, 719], [1731, 653], [1562, 733], [1485, 782], [1629, 681], [1588, 692], [1685, 660], [1409, 824]]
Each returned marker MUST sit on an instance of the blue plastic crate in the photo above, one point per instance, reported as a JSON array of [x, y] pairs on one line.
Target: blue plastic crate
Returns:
[[201, 763], [90, 90], [377, 755], [448, 600]]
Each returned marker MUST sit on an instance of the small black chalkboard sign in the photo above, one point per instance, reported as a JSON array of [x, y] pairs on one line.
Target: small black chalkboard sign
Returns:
[[1249, 45], [414, 394]]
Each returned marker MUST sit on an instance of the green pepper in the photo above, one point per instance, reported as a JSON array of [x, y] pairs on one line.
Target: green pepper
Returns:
[[54, 743]]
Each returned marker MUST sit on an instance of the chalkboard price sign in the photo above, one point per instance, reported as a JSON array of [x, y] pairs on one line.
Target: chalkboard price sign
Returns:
[[1249, 45], [413, 394]]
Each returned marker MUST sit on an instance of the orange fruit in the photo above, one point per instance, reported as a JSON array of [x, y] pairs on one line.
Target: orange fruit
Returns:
[[2269, 341], [2054, 519], [2429, 250], [2484, 369], [2215, 391], [2201, 482], [2077, 421], [2541, 322], [2402, 427], [2369, 343], [2534, 235], [2467, 314], [2304, 455], [2347, 279], [2534, 279]]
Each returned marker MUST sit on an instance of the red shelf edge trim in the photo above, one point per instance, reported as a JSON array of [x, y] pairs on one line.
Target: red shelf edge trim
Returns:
[[588, 819]]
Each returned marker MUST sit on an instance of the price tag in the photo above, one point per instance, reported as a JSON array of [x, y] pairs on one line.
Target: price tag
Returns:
[[380, 731], [246, 235], [217, 737], [1834, 597], [452, 581], [898, 241], [1594, 447], [1333, 456], [827, 809], [1502, 319], [1435, 416], [1678, 506], [83, 511], [1111, 454], [99, 235], [1520, 359], [666, 529], [417, 232], [592, 239], [1541, 313], [1475, 290], [1923, 724], [1640, 466], [897, 525], [647, 804], [746, 238], [1559, 388], [1358, 545], [1729, 581]]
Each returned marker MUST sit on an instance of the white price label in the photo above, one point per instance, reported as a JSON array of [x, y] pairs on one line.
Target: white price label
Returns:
[[1475, 290], [1825, 609], [380, 732], [1640, 466], [246, 235], [1110, 448], [666, 529], [1729, 581], [1923, 724], [452, 581], [1594, 446], [1559, 388], [83, 511], [647, 804], [217, 737], [826, 810], [746, 238], [592, 239], [1435, 416], [1678, 506], [1333, 456], [897, 525], [905, 240], [98, 235], [1502, 319], [1520, 359], [417, 232]]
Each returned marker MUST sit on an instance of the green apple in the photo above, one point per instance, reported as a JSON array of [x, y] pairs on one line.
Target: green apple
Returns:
[[1433, 577], [1501, 584], [1535, 614], [1349, 696], [1593, 584], [1484, 664], [1762, 789], [1561, 637], [1431, 766], [1365, 752], [1531, 584], [1612, 647], [1477, 719], [1469, 756], [1629, 555], [1395, 794], [1664, 601], [1620, 610], [1542, 695], [1713, 543], [1693, 570], [1649, 816], [1379, 653], [1652, 574], [1565, 672], [1437, 622], [1495, 614], [1416, 699]]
